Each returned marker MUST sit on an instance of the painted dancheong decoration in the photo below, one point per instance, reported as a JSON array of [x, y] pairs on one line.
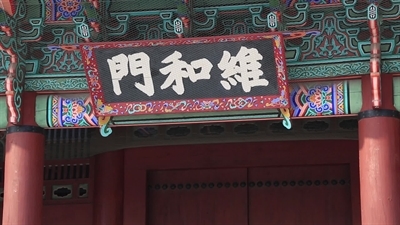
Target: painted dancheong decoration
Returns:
[[71, 112], [243, 72], [306, 100]]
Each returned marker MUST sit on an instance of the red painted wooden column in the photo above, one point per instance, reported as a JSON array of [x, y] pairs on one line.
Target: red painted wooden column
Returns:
[[379, 133], [9, 6], [108, 188], [23, 176]]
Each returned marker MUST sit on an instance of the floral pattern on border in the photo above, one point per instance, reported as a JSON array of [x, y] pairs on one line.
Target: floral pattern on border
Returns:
[[190, 105], [319, 99], [71, 112], [62, 10]]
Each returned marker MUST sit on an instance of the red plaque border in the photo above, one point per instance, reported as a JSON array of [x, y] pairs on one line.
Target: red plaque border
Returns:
[[189, 105]]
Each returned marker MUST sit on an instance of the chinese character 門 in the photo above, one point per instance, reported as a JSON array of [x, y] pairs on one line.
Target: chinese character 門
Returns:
[[136, 64]]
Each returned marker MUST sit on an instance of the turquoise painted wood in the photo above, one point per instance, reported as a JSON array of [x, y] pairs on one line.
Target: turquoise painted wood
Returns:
[[3, 113], [396, 92]]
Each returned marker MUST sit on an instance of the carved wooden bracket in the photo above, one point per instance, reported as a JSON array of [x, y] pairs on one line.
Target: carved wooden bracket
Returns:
[[11, 92], [16, 50]]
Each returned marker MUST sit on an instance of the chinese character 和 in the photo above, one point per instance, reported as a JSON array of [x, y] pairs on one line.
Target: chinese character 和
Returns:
[[179, 69]]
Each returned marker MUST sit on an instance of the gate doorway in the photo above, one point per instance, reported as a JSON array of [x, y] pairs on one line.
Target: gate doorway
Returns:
[[245, 184], [270, 195]]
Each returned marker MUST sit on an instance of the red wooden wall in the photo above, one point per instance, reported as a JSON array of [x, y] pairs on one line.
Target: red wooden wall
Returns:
[[232, 161], [150, 163]]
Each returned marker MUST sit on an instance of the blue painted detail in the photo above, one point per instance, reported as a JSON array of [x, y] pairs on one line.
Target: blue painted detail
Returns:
[[105, 131], [286, 123]]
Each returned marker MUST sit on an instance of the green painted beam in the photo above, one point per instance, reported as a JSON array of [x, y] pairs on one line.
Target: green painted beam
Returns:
[[41, 110], [57, 84], [3, 113], [77, 111], [396, 92], [355, 96]]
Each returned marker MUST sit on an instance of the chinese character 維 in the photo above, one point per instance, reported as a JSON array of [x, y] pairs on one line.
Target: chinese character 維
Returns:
[[179, 69], [139, 63], [243, 68]]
